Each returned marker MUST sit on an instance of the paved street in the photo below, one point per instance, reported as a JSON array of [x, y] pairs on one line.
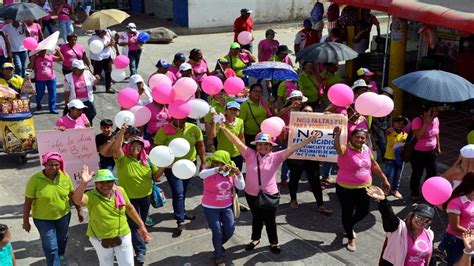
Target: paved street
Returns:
[[306, 237]]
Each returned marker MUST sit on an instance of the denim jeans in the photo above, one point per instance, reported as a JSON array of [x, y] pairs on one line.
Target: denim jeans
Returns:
[[178, 192], [328, 168], [19, 60], [53, 234], [134, 57], [394, 173], [41, 86], [47, 24], [221, 223], [65, 27], [454, 248], [142, 206]]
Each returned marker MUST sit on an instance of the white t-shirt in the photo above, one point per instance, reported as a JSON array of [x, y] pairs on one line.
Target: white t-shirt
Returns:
[[107, 52], [15, 36]]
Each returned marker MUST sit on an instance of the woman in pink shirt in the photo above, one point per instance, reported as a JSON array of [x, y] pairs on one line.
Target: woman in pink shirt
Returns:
[[268, 46], [75, 118], [460, 209], [408, 242], [262, 165], [218, 184], [159, 118], [65, 12], [426, 130], [43, 66], [35, 30], [200, 70], [356, 165], [73, 51]]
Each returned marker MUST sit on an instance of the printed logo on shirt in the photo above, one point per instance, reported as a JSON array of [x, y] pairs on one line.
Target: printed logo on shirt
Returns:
[[224, 190]]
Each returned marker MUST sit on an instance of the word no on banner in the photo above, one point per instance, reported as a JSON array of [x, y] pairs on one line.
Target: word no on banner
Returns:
[[302, 124], [76, 146]]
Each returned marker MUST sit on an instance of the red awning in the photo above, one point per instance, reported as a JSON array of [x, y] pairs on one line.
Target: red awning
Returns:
[[456, 14]]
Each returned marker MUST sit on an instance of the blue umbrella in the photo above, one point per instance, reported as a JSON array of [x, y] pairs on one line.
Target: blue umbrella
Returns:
[[436, 85], [271, 70]]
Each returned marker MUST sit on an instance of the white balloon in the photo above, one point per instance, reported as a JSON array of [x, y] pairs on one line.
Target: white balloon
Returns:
[[124, 117], [96, 46], [199, 108], [118, 75], [161, 156], [184, 169], [179, 147]]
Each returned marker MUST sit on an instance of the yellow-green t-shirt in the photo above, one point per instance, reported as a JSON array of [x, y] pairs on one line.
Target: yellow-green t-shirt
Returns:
[[470, 137], [331, 79], [393, 138], [237, 64], [50, 197], [223, 143], [251, 125], [190, 132], [134, 176], [308, 84], [106, 220]]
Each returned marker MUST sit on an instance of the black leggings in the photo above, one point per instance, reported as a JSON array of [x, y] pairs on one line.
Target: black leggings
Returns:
[[261, 217], [421, 160], [352, 199], [106, 66], [312, 174]]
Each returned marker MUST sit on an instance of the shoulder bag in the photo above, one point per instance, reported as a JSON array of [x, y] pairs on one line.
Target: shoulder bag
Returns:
[[265, 201], [158, 198]]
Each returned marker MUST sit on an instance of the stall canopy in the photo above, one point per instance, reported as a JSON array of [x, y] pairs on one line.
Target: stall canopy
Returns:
[[456, 14]]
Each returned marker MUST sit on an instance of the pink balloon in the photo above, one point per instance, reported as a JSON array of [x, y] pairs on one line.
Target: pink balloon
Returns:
[[270, 127], [127, 98], [386, 106], [341, 95], [30, 43], [234, 85], [121, 61], [157, 79], [179, 109], [278, 120], [211, 85], [367, 103], [142, 115], [162, 93], [244, 37], [436, 190], [184, 88]]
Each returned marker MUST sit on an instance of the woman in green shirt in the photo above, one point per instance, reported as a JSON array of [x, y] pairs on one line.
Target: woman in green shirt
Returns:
[[109, 207]]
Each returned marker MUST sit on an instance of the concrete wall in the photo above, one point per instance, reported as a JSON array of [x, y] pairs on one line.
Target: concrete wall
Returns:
[[161, 8], [217, 13]]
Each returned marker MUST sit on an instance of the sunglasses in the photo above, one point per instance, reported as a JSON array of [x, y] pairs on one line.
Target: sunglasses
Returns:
[[422, 219]]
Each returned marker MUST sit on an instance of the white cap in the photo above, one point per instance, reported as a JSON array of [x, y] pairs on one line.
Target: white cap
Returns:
[[360, 83], [295, 94], [131, 25], [388, 90], [134, 79], [78, 104], [467, 151], [185, 67], [78, 64]]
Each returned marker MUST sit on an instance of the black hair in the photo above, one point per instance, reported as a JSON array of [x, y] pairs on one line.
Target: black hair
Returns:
[[194, 53], [335, 32], [465, 188], [402, 119], [106, 123], [307, 62], [253, 86], [3, 231], [426, 107]]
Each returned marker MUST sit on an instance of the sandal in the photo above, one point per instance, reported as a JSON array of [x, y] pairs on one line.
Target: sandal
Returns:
[[294, 204], [252, 245], [324, 210], [275, 249]]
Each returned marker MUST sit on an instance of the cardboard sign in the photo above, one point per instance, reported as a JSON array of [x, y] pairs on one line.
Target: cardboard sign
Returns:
[[77, 147], [302, 124]]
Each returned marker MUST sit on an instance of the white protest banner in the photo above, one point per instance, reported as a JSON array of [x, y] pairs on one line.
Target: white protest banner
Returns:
[[77, 147], [322, 149]]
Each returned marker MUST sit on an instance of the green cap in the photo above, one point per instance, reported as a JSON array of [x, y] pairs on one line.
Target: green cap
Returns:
[[222, 157], [234, 45], [103, 175]]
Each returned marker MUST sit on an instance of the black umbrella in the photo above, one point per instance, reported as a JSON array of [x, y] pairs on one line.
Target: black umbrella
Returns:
[[327, 52], [22, 11]]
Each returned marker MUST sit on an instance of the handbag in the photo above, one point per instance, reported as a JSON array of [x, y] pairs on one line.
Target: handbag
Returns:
[[407, 150], [157, 198], [265, 201], [235, 204]]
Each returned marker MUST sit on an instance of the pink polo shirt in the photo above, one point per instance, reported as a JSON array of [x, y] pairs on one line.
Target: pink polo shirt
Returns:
[[44, 68], [159, 118], [71, 54], [175, 70], [34, 30], [80, 87], [428, 141], [217, 191], [199, 70], [418, 251], [269, 165], [463, 207], [67, 122], [355, 167]]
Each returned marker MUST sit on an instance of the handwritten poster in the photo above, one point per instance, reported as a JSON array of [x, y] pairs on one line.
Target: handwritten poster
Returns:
[[77, 146], [302, 124]]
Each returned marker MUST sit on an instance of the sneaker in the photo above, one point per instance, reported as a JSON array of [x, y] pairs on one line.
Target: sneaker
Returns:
[[351, 246], [149, 222], [63, 260], [179, 230], [397, 194]]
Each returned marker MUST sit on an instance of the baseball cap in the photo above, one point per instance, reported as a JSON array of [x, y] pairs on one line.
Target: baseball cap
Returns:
[[246, 11], [364, 72], [134, 79], [467, 151], [131, 25], [185, 67], [263, 138], [270, 32], [234, 45], [103, 175], [360, 83], [223, 60], [179, 57], [424, 210], [307, 22], [232, 104], [162, 63], [78, 64], [284, 49], [8, 65], [76, 103], [295, 94]]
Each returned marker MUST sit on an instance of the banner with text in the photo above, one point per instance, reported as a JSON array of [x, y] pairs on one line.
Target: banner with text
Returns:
[[77, 146], [302, 124]]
